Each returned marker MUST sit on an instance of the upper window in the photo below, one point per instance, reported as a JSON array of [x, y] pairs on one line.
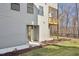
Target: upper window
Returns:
[[15, 6], [40, 11], [30, 8]]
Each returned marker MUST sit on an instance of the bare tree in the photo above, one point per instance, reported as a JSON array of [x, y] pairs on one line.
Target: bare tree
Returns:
[[66, 13], [74, 26], [77, 18]]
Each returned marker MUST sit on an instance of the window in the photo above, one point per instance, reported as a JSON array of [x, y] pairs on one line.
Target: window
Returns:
[[30, 8], [40, 11], [15, 6]]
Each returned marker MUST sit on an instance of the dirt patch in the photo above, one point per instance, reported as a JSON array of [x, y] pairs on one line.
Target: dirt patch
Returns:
[[54, 41]]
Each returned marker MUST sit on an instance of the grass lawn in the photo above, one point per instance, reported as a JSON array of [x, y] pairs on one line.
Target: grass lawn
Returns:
[[65, 48]]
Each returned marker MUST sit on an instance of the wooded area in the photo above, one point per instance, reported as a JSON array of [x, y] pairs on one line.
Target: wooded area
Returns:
[[68, 23]]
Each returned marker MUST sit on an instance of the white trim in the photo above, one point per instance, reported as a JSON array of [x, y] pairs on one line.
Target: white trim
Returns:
[[5, 50], [33, 44]]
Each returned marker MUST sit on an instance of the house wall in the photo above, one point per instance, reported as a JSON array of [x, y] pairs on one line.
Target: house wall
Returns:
[[44, 33], [13, 25], [43, 23]]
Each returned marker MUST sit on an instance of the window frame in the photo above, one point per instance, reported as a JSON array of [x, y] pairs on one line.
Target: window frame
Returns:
[[30, 7], [41, 10], [15, 8]]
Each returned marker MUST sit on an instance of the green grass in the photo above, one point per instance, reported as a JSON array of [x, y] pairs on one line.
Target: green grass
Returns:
[[66, 48]]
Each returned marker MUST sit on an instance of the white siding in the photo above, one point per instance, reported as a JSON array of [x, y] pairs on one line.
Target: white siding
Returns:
[[43, 23], [13, 25]]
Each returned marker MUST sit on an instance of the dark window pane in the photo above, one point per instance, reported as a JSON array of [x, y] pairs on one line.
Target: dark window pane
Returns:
[[15, 6], [30, 8], [40, 11]]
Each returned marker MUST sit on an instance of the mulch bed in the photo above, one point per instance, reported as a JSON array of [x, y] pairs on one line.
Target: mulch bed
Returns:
[[54, 41]]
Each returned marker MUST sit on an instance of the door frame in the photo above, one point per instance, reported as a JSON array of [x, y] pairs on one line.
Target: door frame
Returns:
[[33, 33]]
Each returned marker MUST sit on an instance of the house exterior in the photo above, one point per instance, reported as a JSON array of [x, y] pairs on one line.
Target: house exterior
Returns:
[[52, 20], [21, 23]]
